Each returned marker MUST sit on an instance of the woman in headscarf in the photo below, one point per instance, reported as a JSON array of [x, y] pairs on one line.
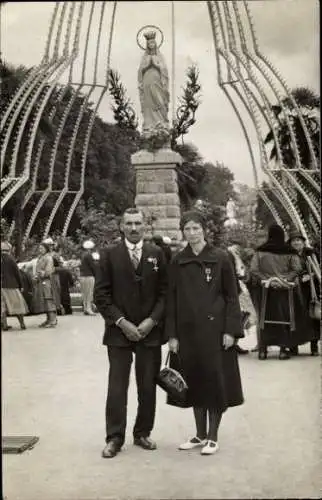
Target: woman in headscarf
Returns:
[[276, 267], [309, 330], [203, 322], [44, 294], [12, 301]]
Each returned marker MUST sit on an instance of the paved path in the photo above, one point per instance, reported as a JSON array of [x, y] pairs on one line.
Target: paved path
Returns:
[[53, 386]]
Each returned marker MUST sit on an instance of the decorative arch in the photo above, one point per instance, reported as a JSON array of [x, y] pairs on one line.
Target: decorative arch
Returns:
[[249, 80]]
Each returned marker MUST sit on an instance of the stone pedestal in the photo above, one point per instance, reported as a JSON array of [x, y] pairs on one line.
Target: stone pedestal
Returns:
[[157, 190]]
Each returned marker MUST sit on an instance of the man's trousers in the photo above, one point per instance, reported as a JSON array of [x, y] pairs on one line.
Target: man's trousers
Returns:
[[147, 366], [87, 290]]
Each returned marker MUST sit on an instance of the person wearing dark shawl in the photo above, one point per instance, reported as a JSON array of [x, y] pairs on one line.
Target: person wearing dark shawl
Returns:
[[309, 330], [203, 322], [275, 259]]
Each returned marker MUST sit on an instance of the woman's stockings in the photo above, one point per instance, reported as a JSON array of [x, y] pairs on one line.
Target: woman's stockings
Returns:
[[214, 422], [214, 418], [201, 422]]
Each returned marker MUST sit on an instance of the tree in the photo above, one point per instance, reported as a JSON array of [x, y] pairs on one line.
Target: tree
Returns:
[[309, 104], [217, 186], [97, 223]]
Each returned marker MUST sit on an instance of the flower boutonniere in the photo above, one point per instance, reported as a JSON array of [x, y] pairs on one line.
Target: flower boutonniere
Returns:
[[154, 261]]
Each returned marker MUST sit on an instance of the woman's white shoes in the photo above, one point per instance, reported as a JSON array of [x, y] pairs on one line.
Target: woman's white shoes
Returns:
[[210, 448], [193, 443]]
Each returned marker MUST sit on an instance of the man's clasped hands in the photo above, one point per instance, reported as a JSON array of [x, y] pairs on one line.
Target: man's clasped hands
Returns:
[[136, 333]]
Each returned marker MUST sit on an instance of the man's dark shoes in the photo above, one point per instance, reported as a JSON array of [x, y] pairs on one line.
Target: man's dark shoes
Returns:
[[145, 442], [111, 449], [262, 353]]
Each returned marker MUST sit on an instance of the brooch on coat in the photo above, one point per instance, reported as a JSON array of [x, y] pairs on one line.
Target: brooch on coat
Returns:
[[208, 274], [154, 261]]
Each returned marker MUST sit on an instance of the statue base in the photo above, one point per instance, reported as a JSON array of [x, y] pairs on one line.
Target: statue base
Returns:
[[157, 191]]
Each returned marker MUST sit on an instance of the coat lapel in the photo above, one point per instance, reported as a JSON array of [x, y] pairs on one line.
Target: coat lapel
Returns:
[[146, 253]]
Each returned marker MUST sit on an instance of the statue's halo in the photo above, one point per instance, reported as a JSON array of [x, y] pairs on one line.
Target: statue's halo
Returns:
[[149, 26]]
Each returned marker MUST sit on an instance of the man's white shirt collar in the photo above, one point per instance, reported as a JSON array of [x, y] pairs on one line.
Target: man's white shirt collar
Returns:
[[131, 246]]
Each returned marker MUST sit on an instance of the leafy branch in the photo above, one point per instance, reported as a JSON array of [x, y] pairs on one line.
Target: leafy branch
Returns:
[[124, 113], [188, 105]]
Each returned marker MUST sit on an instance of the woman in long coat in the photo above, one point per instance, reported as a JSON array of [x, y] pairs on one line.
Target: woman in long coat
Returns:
[[203, 321], [275, 260], [44, 292], [310, 328], [12, 301]]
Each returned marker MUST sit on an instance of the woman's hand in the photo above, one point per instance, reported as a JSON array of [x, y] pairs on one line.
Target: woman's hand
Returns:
[[228, 341], [173, 345]]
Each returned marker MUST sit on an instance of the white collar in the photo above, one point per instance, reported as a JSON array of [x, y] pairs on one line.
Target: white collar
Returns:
[[131, 246]]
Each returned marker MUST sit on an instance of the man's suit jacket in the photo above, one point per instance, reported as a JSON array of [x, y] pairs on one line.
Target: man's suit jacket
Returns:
[[135, 295]]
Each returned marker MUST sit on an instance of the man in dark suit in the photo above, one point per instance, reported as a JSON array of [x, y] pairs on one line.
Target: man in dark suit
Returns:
[[130, 293]]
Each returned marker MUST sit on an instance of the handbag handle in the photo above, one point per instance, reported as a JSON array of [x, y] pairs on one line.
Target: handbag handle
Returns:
[[312, 287], [167, 359]]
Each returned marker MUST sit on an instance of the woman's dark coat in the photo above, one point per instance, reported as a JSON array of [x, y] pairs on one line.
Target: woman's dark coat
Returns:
[[199, 311]]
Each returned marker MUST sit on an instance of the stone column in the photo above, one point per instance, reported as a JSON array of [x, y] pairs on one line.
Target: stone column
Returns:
[[157, 190]]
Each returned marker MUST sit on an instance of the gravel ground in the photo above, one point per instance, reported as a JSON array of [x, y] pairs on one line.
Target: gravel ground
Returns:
[[54, 384]]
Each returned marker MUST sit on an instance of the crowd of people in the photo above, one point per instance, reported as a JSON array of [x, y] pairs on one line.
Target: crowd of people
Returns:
[[39, 286], [199, 299]]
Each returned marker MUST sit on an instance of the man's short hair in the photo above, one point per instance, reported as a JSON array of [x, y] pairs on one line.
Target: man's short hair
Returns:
[[132, 211]]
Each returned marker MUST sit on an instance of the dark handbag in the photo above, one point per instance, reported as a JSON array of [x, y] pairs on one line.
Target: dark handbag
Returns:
[[172, 382], [315, 303]]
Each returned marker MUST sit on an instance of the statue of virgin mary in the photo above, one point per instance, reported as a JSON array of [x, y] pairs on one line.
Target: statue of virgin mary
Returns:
[[153, 80]]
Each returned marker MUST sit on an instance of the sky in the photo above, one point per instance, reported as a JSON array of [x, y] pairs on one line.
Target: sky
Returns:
[[287, 33]]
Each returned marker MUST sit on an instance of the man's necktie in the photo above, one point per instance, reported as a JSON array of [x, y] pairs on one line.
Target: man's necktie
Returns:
[[135, 257]]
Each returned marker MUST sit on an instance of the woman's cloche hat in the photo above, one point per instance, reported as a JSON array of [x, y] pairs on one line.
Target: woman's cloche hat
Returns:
[[295, 233]]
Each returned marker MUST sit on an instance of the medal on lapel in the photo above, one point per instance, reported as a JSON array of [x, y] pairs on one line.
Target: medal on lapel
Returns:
[[208, 274], [154, 261]]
